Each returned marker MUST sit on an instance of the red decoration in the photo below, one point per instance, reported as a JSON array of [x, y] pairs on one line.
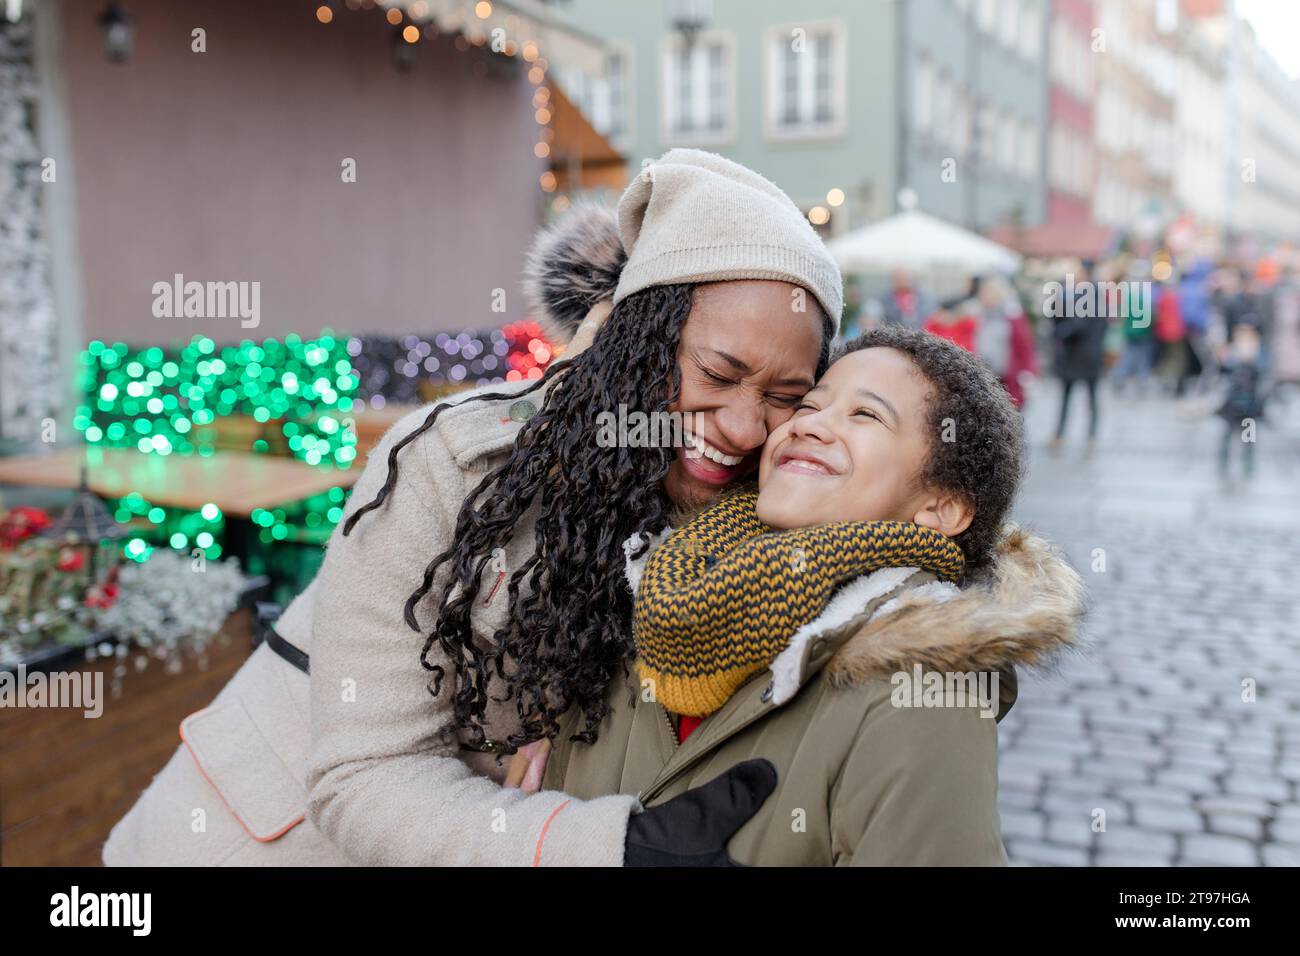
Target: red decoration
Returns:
[[19, 524], [530, 351], [71, 559]]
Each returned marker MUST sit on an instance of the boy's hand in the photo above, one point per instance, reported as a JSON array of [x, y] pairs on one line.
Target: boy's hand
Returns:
[[528, 766]]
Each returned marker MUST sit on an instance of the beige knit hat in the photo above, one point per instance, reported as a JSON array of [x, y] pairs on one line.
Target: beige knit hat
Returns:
[[693, 216]]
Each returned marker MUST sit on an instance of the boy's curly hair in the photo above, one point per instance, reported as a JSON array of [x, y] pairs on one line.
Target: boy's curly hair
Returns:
[[984, 459]]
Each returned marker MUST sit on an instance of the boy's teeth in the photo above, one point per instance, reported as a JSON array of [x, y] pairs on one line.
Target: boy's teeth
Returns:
[[711, 453]]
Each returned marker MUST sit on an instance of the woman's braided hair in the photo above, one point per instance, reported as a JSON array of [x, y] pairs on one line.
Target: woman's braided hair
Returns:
[[568, 632]]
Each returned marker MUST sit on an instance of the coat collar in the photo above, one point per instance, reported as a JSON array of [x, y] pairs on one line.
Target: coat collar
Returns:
[[1024, 611]]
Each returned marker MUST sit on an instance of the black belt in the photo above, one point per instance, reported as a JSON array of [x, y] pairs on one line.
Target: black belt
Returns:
[[291, 653]]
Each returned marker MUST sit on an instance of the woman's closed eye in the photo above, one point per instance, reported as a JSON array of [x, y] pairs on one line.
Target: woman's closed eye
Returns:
[[867, 413], [783, 401], [780, 401], [715, 378]]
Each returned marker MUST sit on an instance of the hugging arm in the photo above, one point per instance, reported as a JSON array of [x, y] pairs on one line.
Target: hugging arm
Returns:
[[383, 785]]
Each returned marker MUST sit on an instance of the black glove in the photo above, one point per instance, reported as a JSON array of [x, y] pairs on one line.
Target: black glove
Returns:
[[692, 829]]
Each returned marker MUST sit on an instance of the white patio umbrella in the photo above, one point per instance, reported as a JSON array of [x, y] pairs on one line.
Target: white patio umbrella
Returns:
[[921, 244]]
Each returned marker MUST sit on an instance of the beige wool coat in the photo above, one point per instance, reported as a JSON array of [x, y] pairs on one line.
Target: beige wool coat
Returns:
[[348, 766]]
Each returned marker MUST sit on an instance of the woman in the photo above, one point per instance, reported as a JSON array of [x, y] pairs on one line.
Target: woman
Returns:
[[483, 541]]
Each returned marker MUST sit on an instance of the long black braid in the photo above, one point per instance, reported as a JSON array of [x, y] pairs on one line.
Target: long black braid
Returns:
[[568, 632]]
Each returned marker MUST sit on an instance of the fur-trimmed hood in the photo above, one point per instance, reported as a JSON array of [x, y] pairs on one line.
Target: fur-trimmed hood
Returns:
[[1023, 612]]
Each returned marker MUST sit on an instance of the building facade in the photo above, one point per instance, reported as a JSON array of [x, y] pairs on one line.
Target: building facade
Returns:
[[1072, 90], [841, 104], [1134, 117], [973, 108]]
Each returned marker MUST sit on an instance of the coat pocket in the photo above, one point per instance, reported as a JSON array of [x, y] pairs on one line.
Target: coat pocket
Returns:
[[233, 755]]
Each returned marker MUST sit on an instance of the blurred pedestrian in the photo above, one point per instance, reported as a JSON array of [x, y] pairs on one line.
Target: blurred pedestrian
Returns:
[[1078, 352], [905, 304], [1137, 317], [1249, 301], [1243, 405], [1286, 327], [1003, 337], [1194, 304], [851, 319], [1171, 333], [955, 321]]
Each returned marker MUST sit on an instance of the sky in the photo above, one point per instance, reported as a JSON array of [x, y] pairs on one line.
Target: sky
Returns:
[[1277, 25]]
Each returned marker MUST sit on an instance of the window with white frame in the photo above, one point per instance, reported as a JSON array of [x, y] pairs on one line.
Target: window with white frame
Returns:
[[1028, 149], [698, 88], [943, 94], [1009, 142], [988, 134], [1009, 24], [806, 79], [962, 132], [617, 78], [1056, 173], [1030, 24], [603, 99], [923, 94], [987, 15]]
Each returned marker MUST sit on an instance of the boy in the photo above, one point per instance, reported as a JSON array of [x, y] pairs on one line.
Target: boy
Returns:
[[818, 625]]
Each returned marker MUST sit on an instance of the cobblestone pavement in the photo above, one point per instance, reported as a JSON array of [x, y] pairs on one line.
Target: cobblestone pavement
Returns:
[[1194, 601]]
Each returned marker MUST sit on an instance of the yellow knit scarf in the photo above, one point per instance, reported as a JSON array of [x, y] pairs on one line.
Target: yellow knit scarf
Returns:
[[721, 598]]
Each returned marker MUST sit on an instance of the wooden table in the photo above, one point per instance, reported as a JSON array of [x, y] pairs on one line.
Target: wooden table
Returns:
[[236, 482]]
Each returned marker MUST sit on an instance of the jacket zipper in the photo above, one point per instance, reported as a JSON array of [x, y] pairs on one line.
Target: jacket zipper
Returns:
[[658, 785], [672, 731]]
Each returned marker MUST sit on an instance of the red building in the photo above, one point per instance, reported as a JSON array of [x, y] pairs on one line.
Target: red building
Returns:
[[1071, 93]]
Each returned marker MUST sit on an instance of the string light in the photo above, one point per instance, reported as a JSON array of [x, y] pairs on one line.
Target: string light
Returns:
[[466, 36], [164, 403]]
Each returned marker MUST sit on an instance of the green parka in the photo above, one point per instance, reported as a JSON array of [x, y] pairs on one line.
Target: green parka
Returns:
[[868, 774]]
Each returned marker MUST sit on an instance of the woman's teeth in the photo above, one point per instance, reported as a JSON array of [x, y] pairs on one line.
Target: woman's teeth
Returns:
[[711, 453]]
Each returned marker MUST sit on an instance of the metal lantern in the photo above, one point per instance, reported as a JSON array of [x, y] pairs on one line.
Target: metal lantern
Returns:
[[85, 524], [119, 33]]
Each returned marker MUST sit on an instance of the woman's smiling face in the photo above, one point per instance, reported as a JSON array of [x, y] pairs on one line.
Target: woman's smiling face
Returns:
[[747, 356], [853, 449]]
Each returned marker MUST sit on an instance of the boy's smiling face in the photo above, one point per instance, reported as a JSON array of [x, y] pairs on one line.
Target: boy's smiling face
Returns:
[[855, 450]]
